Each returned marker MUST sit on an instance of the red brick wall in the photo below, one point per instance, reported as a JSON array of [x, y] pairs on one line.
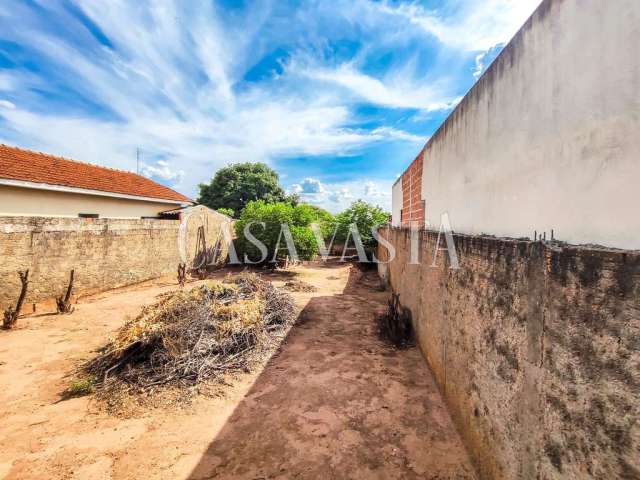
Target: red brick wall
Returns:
[[412, 203]]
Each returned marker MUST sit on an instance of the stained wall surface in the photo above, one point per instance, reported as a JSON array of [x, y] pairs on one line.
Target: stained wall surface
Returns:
[[105, 253], [536, 347]]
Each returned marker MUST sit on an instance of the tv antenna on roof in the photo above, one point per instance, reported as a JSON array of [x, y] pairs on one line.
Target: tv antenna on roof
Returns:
[[138, 161]]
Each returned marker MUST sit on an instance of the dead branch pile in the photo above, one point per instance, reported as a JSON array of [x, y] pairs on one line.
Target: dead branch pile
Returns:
[[395, 325], [188, 337], [299, 286]]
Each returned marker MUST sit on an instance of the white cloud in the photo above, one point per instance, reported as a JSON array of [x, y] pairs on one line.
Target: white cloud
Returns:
[[478, 25], [393, 133], [7, 104], [373, 190], [311, 186], [398, 90], [341, 196], [479, 64], [169, 85], [483, 60], [147, 81], [310, 190], [336, 197], [162, 170]]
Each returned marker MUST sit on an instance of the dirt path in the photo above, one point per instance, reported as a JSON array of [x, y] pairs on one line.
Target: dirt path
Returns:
[[335, 402]]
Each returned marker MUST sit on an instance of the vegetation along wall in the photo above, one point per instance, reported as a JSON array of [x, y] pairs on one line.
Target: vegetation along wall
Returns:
[[536, 348]]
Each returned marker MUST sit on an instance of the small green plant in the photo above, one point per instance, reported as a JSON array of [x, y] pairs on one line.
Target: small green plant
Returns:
[[81, 387]]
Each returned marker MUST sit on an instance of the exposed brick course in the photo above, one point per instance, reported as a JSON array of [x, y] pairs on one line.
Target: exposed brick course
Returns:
[[413, 209]]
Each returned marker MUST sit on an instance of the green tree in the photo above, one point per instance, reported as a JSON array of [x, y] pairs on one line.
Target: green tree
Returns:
[[299, 219], [238, 184], [366, 217]]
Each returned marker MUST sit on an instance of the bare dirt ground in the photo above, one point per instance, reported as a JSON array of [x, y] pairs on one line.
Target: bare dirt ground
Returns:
[[333, 402]]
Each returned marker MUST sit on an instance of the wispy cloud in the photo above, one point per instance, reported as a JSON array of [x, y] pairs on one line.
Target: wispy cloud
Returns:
[[196, 86], [393, 133], [167, 81], [473, 25], [398, 90]]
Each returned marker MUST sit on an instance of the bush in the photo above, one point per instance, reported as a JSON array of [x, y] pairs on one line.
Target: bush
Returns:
[[299, 219], [226, 211], [366, 217]]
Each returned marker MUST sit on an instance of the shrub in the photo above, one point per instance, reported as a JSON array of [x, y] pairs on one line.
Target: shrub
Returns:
[[366, 217], [299, 219]]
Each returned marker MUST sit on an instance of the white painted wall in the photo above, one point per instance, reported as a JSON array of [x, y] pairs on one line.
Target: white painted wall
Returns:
[[550, 136], [396, 203], [16, 201]]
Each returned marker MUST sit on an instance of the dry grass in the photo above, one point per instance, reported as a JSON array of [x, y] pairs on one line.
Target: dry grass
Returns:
[[299, 286], [188, 338]]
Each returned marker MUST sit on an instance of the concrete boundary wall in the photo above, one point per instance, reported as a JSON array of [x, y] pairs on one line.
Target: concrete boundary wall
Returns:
[[548, 137], [105, 253], [536, 348]]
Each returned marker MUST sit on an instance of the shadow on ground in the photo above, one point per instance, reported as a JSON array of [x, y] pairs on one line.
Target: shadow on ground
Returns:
[[336, 402]]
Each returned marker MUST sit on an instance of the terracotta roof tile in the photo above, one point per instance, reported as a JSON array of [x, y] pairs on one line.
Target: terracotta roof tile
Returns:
[[29, 166]]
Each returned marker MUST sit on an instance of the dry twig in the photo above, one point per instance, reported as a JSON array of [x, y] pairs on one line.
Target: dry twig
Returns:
[[188, 337]]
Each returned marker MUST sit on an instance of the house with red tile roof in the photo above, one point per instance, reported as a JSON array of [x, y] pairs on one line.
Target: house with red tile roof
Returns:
[[37, 184]]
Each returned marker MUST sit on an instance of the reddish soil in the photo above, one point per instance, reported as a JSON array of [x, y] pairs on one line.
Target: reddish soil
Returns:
[[333, 402]]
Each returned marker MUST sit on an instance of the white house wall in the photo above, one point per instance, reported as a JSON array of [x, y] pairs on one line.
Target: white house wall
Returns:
[[15, 201]]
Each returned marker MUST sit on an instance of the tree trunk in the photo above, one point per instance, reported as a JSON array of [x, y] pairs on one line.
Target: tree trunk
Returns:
[[11, 315], [64, 303]]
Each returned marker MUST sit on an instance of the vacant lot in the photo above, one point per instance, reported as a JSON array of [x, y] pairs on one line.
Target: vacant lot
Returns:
[[333, 402]]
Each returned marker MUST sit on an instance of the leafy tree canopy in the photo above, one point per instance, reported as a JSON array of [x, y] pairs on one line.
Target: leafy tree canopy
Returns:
[[299, 219], [233, 187], [366, 217]]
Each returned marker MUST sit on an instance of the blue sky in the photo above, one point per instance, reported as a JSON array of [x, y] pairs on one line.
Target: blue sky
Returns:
[[337, 95]]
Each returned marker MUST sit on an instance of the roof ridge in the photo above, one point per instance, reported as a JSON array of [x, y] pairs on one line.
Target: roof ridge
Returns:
[[60, 157]]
